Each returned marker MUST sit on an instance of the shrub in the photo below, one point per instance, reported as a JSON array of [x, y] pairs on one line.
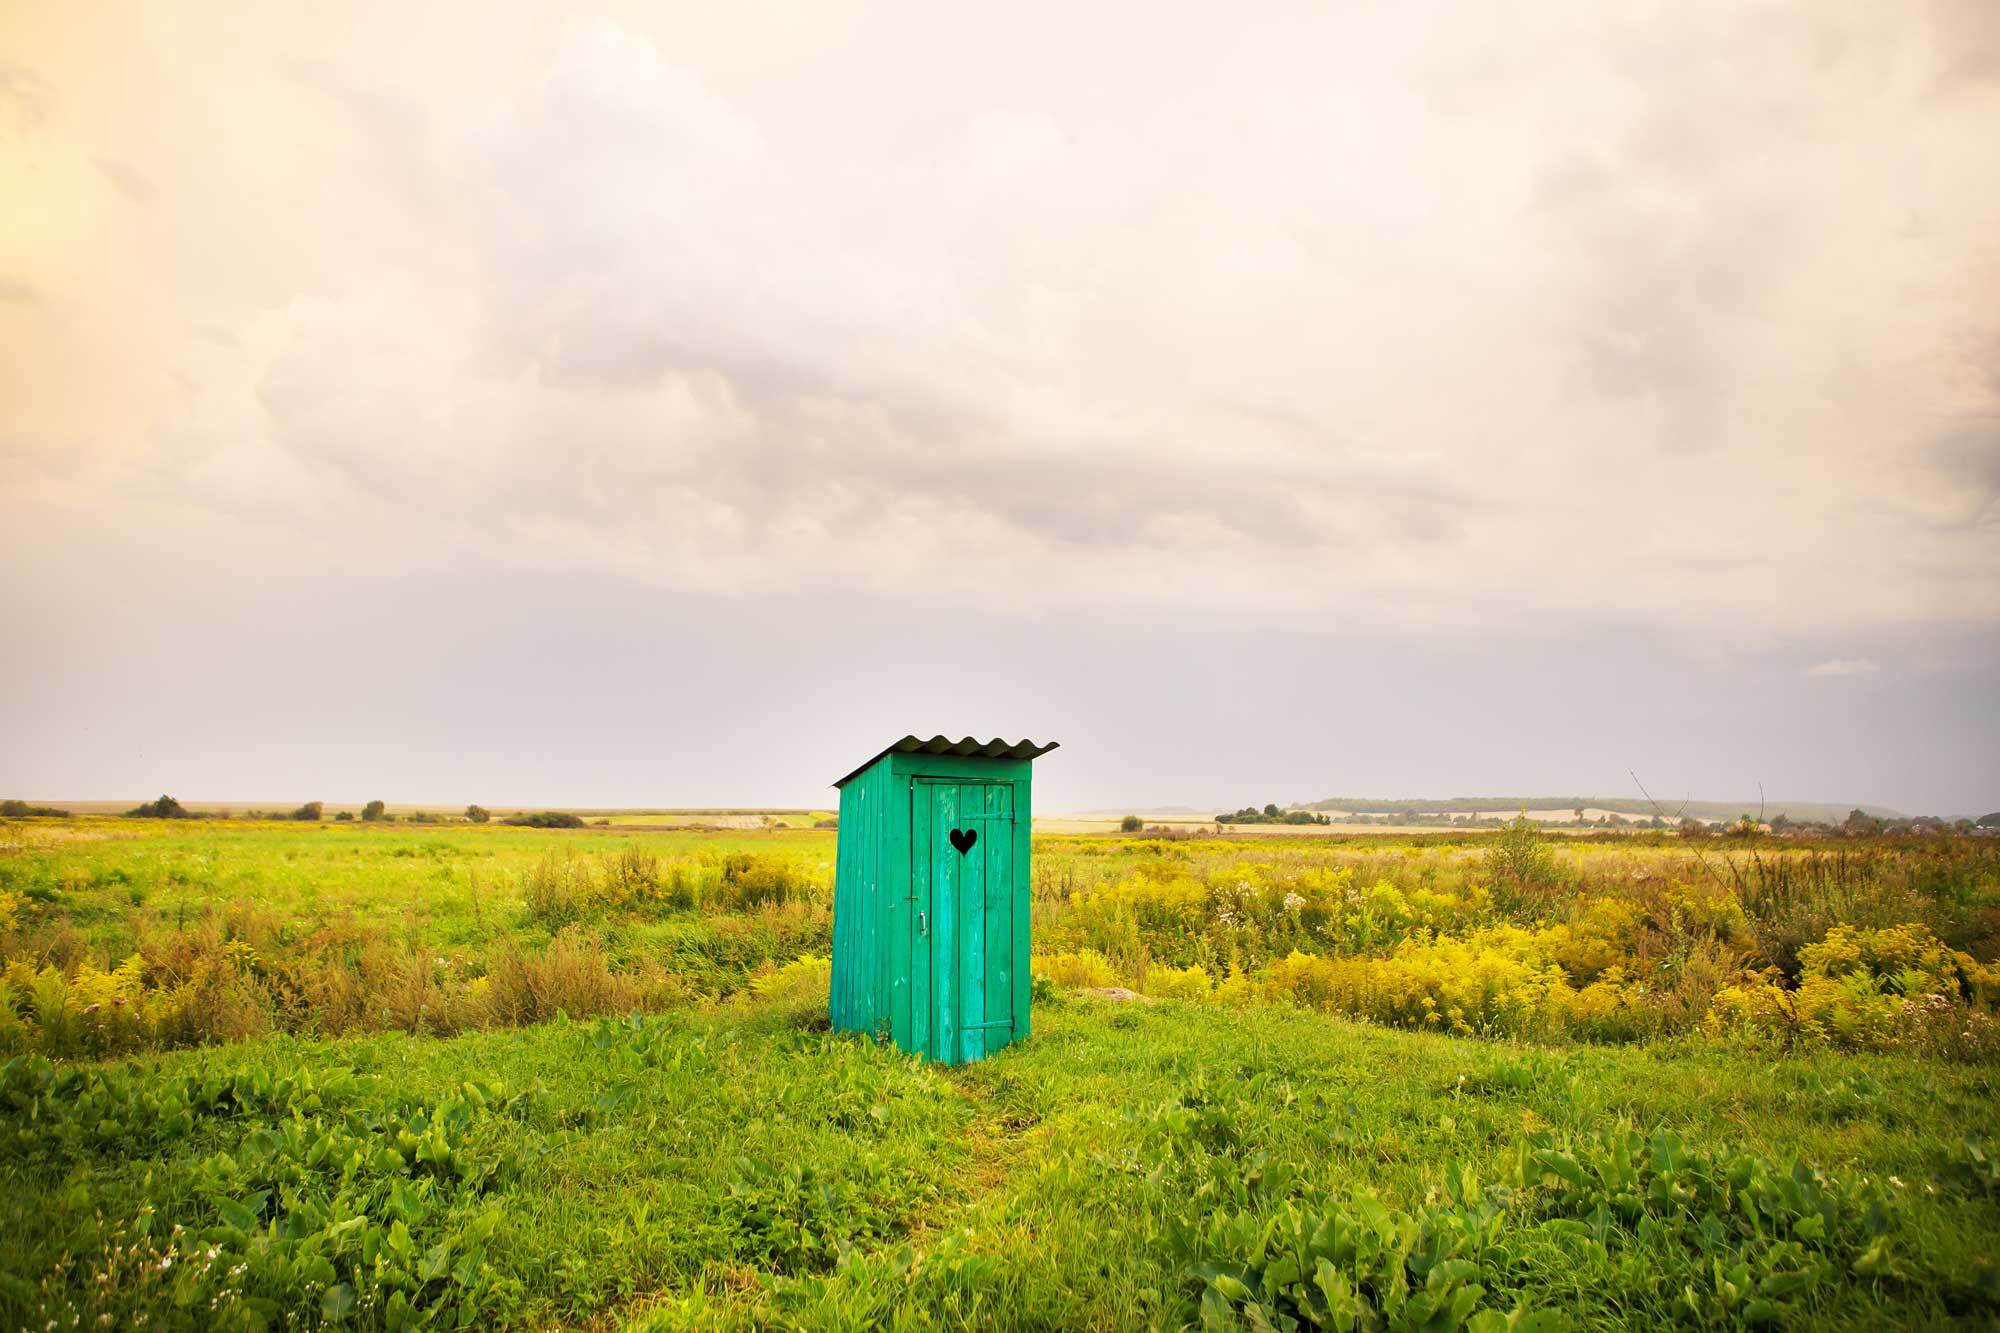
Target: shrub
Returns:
[[1872, 989], [1599, 936], [12, 809], [87, 1011], [631, 877], [1083, 968], [373, 811], [1901, 960], [545, 819], [308, 813], [572, 976], [477, 814], [1186, 983], [750, 879], [805, 984], [1131, 824], [166, 807], [1790, 901], [1522, 868], [560, 889], [1492, 983]]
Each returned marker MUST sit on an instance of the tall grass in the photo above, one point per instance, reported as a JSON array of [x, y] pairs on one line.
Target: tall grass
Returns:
[[129, 948], [243, 930], [1523, 935]]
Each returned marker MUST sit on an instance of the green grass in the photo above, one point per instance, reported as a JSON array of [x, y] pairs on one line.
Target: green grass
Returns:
[[738, 1166], [459, 879], [329, 928], [377, 1126]]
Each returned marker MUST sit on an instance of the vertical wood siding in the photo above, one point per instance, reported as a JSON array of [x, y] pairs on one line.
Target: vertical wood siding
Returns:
[[931, 945]]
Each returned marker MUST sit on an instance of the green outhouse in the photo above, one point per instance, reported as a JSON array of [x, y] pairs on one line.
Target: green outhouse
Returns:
[[930, 896]]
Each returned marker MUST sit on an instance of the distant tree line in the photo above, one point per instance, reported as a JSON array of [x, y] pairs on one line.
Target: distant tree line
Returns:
[[1858, 823], [1271, 814], [166, 807], [1640, 812], [22, 810], [545, 819], [312, 812]]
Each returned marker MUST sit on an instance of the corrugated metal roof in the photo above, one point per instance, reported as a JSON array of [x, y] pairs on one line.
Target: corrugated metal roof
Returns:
[[993, 749]]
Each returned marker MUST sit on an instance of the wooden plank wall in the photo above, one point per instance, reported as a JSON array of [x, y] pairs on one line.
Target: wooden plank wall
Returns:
[[885, 980]]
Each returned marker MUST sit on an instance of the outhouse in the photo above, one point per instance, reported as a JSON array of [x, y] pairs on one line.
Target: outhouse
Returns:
[[930, 896]]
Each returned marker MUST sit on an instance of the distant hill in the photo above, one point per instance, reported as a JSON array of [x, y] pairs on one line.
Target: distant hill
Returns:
[[1815, 812]]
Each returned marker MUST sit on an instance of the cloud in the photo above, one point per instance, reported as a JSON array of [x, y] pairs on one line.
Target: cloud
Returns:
[[26, 99], [1844, 666], [1351, 315], [1968, 42], [129, 183]]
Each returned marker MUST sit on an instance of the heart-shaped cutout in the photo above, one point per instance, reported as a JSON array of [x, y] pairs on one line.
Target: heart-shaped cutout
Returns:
[[963, 838]]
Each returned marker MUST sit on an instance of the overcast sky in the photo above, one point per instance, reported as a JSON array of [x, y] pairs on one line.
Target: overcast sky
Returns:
[[674, 404]]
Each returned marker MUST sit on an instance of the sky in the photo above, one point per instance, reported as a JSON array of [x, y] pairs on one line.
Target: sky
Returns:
[[673, 404]]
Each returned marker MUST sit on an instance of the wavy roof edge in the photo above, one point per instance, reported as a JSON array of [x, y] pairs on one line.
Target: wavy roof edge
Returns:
[[967, 745]]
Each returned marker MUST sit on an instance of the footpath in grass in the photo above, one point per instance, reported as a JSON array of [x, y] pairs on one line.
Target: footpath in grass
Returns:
[[1131, 1166]]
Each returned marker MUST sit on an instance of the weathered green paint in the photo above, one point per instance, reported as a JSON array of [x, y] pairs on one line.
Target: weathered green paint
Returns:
[[930, 943]]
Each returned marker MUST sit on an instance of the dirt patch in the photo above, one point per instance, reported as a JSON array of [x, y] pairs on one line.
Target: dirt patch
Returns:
[[1117, 993]]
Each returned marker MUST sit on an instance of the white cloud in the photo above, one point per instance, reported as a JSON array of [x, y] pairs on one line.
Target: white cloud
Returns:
[[1844, 666], [1354, 314]]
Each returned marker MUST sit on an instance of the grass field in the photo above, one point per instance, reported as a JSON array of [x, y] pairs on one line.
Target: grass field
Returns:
[[483, 1076]]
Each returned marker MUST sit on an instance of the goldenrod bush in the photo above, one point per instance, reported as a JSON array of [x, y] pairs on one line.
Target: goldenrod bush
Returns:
[[244, 929], [1178, 983], [1084, 967], [1872, 989], [806, 979]]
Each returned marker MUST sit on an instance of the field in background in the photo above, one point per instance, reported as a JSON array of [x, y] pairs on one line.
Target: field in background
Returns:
[[707, 819], [1191, 825], [181, 931], [1095, 821], [511, 1076], [253, 812]]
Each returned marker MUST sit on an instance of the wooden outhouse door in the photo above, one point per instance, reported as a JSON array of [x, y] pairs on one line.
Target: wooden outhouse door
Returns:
[[962, 919]]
